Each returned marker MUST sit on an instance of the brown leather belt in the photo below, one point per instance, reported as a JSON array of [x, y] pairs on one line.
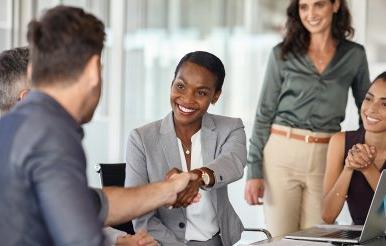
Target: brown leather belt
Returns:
[[305, 138]]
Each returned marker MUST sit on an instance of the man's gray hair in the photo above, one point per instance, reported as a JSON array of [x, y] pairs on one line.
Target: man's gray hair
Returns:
[[13, 76]]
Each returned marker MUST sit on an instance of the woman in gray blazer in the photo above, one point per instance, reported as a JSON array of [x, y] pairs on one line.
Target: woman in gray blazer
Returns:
[[190, 139]]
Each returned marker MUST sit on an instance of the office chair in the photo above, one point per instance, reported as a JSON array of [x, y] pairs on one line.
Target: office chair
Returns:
[[114, 175]]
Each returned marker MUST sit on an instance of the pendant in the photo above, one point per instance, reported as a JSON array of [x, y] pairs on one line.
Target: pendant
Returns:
[[187, 152]]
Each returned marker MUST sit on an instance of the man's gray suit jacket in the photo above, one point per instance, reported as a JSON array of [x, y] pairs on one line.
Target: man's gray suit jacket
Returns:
[[152, 150]]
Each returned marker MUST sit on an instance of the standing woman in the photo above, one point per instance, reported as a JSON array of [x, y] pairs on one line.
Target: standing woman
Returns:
[[355, 159], [302, 104]]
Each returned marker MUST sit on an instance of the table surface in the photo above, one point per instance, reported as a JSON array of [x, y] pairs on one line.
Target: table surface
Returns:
[[278, 241]]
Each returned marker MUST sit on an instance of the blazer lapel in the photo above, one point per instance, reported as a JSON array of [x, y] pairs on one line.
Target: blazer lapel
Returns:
[[208, 147], [168, 140], [208, 139]]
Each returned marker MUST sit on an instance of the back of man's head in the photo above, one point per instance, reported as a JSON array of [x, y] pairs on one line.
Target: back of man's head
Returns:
[[61, 43], [13, 76]]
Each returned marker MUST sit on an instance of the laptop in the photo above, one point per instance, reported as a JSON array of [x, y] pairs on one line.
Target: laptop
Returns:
[[374, 226]]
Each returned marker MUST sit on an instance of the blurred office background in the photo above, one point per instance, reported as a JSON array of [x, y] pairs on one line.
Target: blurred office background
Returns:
[[146, 39]]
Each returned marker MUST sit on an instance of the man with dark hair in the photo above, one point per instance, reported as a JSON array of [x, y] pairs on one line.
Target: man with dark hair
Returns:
[[44, 195], [13, 77]]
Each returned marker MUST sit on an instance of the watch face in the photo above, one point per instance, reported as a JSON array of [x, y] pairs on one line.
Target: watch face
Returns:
[[206, 178]]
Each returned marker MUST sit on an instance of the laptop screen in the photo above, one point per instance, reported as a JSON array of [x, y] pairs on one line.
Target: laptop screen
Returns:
[[376, 217]]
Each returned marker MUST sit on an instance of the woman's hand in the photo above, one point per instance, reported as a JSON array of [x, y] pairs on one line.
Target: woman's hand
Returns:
[[172, 172], [141, 238], [360, 157], [254, 191]]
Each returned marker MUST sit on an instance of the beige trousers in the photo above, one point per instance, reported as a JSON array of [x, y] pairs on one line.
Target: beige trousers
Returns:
[[293, 172]]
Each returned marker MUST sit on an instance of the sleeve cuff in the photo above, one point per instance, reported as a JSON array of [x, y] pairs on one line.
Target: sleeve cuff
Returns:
[[104, 205], [112, 235], [254, 171]]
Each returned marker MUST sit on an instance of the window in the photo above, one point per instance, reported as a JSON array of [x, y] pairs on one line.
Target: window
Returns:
[[376, 37], [5, 24], [147, 38]]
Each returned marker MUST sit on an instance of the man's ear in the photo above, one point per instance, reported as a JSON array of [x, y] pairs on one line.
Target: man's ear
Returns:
[[216, 97], [22, 94], [91, 72]]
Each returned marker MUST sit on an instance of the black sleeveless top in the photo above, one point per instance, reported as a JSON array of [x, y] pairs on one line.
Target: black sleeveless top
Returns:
[[359, 192]]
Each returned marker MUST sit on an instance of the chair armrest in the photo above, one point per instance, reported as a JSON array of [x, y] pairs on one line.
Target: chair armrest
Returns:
[[266, 232]]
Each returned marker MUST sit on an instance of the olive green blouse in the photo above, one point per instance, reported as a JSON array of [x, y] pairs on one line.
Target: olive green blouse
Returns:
[[295, 94]]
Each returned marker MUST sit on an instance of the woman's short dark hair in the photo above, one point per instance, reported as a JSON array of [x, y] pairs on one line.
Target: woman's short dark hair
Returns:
[[382, 76], [297, 37], [62, 42], [208, 61]]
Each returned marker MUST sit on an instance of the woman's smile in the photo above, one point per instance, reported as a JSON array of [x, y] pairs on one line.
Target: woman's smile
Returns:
[[186, 110]]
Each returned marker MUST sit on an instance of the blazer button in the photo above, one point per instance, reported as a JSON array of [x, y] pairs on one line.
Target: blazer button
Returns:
[[181, 225]]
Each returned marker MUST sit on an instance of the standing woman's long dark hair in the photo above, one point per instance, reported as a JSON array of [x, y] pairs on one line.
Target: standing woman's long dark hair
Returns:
[[297, 38]]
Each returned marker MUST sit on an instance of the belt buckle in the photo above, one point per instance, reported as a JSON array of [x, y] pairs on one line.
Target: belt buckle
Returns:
[[288, 133], [307, 139]]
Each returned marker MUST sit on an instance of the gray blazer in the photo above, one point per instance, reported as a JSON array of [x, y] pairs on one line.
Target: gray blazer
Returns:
[[152, 150]]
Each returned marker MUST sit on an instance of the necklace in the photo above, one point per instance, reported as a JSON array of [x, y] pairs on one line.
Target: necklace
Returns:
[[319, 58], [186, 148]]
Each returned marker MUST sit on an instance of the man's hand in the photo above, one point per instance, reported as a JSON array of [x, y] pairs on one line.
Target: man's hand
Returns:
[[254, 191], [131, 202], [141, 238], [189, 194]]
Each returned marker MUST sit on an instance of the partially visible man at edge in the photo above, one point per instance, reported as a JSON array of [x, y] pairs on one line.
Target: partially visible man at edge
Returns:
[[43, 184], [14, 86], [13, 77]]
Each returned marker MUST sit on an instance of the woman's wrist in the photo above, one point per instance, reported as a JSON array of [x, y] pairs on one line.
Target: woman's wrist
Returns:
[[369, 168], [347, 167], [206, 176], [199, 173]]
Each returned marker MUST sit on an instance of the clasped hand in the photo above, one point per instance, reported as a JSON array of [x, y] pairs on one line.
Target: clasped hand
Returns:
[[191, 193], [360, 157]]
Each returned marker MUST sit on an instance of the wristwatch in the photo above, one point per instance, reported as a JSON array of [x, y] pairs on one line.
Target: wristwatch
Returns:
[[205, 178]]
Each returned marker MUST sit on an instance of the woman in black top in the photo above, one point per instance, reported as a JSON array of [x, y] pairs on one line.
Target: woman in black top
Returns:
[[355, 159]]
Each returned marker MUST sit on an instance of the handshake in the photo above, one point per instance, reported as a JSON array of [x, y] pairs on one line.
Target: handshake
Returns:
[[187, 185]]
